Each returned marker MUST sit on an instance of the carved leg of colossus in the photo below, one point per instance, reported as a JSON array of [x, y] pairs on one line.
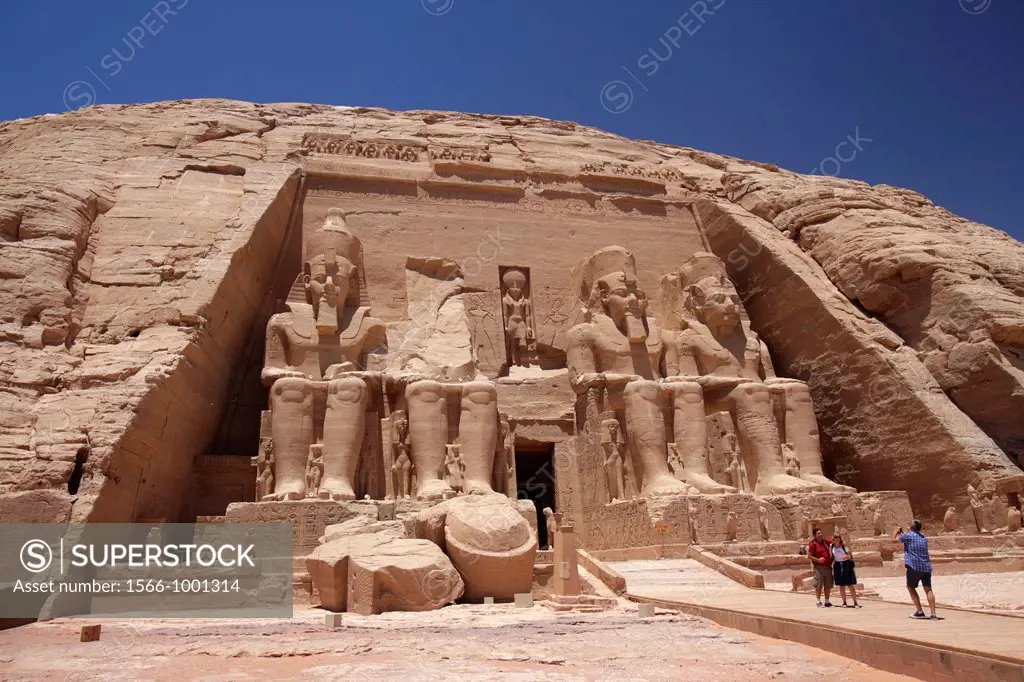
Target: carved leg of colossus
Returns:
[[645, 434], [759, 432], [802, 432], [291, 425], [428, 436], [344, 430], [691, 437], [478, 434]]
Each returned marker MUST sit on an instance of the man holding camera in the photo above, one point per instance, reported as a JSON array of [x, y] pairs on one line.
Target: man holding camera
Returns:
[[919, 566]]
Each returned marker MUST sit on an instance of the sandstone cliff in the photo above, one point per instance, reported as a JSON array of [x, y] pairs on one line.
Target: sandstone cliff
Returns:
[[138, 245]]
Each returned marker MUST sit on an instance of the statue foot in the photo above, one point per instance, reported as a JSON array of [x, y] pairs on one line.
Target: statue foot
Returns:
[[285, 491], [477, 488], [707, 485], [434, 490], [336, 490], [666, 485], [826, 484], [783, 484]]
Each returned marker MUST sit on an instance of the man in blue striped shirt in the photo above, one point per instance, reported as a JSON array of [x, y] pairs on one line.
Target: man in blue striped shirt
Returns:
[[919, 566]]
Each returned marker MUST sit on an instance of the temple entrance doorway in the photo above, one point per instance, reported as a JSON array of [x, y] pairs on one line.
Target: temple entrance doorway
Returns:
[[535, 481]]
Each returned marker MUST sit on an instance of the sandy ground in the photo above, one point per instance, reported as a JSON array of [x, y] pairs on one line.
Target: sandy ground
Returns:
[[985, 591], [471, 642]]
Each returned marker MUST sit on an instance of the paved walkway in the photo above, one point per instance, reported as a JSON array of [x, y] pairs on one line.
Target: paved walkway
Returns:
[[882, 628]]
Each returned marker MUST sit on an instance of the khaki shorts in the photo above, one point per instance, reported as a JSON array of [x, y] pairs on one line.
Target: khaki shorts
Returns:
[[823, 576]]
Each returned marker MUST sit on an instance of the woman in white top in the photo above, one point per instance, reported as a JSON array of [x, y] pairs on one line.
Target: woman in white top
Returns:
[[843, 574]]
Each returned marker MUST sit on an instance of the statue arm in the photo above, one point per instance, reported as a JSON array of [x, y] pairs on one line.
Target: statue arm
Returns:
[[275, 355], [528, 317], [682, 354], [766, 360], [580, 358]]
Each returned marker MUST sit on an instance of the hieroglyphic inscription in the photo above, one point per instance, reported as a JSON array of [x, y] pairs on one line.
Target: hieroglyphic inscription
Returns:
[[459, 154], [325, 143], [631, 170]]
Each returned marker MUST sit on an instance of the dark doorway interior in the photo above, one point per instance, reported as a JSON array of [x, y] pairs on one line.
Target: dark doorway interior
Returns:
[[535, 480]]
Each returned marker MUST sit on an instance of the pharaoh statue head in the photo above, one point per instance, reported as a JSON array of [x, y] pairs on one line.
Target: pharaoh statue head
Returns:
[[515, 282], [609, 284], [708, 295], [330, 271]]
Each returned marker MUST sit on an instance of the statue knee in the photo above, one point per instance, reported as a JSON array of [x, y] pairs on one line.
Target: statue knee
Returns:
[[479, 393], [646, 390], [755, 393], [349, 391], [688, 392], [425, 391], [291, 390]]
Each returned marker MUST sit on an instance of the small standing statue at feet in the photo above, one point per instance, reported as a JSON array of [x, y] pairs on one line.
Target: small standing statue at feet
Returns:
[[507, 443], [792, 462], [762, 521], [730, 527], [976, 508], [1012, 519], [264, 466], [737, 469], [949, 521], [454, 467], [613, 464], [314, 470], [551, 525], [401, 469], [517, 313], [675, 461]]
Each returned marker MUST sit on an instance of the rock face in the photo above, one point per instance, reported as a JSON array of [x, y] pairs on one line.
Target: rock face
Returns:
[[144, 248], [370, 568]]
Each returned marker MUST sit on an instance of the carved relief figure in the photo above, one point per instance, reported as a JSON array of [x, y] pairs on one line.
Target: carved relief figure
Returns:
[[614, 469], [1013, 519], [878, 524], [517, 314], [551, 525], [976, 508], [791, 461], [762, 521], [619, 351], [724, 364], [730, 527], [949, 520], [318, 351], [454, 467], [401, 469]]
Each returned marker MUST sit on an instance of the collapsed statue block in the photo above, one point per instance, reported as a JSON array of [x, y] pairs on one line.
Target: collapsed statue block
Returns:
[[377, 572], [489, 540]]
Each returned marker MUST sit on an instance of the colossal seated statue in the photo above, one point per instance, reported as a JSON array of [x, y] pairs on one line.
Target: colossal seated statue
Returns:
[[319, 367], [726, 365], [620, 351]]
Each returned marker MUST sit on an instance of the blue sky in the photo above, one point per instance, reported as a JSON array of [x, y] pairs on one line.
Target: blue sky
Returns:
[[932, 89]]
